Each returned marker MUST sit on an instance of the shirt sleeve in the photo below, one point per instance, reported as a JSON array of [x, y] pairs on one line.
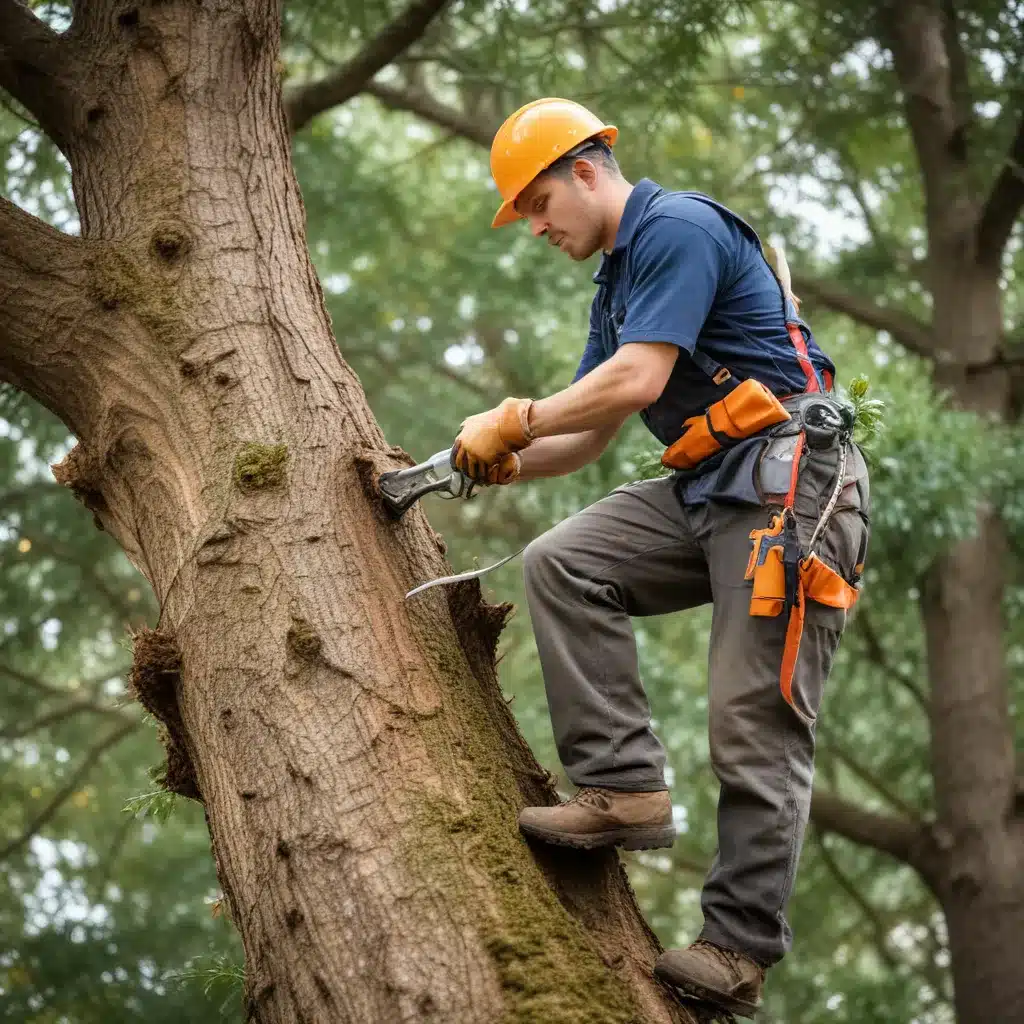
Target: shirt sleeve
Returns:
[[593, 354], [675, 269]]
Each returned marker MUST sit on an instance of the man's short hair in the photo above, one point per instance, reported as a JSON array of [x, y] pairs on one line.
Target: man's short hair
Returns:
[[596, 150]]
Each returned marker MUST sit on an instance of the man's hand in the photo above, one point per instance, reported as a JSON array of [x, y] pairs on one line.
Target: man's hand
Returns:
[[506, 470], [488, 436]]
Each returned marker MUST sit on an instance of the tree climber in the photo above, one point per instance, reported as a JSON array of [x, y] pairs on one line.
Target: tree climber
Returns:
[[764, 514]]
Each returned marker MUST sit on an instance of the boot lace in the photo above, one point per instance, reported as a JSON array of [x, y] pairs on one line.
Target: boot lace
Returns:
[[733, 960], [590, 796]]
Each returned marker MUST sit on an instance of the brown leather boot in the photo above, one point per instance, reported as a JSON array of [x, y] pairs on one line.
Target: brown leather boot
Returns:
[[604, 817], [714, 974]]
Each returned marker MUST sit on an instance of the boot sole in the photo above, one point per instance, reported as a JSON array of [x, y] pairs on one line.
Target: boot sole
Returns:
[[691, 990], [628, 838]]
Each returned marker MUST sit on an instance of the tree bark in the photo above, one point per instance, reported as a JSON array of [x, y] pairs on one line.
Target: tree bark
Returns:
[[360, 770]]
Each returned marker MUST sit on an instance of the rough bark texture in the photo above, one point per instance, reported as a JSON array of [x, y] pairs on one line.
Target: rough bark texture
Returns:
[[360, 771]]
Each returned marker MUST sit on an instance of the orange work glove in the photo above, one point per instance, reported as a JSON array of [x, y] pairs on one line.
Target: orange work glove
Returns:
[[483, 439], [505, 470]]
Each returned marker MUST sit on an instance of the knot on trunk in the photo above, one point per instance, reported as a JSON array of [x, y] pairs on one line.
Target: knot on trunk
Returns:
[[156, 673], [170, 243], [80, 470], [261, 466], [303, 639]]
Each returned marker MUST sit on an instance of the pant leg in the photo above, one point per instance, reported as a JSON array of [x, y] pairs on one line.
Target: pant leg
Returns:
[[761, 751], [630, 554]]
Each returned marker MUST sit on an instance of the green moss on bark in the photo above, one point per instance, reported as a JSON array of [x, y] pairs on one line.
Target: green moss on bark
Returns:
[[120, 280], [303, 639], [261, 466], [548, 970]]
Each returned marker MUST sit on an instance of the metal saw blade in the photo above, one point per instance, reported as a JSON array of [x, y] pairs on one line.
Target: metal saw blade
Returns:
[[459, 577]]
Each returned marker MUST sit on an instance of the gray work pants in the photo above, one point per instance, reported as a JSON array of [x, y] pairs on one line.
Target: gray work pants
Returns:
[[641, 552]]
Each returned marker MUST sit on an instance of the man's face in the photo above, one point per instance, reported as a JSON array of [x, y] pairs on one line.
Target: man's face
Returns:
[[564, 211]]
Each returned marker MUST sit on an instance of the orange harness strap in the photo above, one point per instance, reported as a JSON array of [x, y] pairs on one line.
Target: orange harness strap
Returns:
[[803, 356], [820, 583], [814, 580]]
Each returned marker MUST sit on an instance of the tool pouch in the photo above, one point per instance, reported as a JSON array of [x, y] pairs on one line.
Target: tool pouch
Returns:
[[747, 410], [780, 581], [765, 568], [823, 584]]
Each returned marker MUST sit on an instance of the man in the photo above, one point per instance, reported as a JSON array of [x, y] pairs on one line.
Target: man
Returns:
[[688, 318]]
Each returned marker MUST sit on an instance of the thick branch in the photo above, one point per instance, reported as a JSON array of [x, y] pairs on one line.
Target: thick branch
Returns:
[[1004, 203], [306, 101], [44, 301], [896, 836], [433, 110], [34, 66], [906, 329], [57, 801], [959, 80]]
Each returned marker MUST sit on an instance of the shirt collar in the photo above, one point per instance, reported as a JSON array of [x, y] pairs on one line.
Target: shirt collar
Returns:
[[643, 192]]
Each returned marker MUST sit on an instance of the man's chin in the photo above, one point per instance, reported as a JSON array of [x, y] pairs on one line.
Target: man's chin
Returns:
[[578, 255]]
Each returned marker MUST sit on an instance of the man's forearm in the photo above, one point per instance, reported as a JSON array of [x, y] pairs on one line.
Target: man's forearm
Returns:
[[563, 453], [605, 395]]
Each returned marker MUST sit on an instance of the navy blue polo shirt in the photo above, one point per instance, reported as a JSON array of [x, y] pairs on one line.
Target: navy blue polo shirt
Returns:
[[688, 271]]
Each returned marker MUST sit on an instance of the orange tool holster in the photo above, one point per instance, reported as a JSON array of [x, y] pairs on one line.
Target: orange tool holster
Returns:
[[747, 410]]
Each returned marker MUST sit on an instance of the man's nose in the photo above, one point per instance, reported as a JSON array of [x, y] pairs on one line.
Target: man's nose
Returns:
[[539, 227]]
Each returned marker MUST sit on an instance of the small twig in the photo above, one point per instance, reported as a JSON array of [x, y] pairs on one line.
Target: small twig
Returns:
[[867, 777], [116, 846], [431, 109], [89, 571], [35, 683], [864, 625], [869, 912], [20, 729]]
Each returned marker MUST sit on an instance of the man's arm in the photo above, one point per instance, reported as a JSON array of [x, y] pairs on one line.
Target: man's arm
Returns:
[[562, 454], [629, 381], [570, 428]]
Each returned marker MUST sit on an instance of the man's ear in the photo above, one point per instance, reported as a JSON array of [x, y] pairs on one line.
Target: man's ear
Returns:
[[586, 171]]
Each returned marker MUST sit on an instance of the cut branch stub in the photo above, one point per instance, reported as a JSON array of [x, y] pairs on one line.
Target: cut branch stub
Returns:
[[261, 466], [79, 473], [156, 673]]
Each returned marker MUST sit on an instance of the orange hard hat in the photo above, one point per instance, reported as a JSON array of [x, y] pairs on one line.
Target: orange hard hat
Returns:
[[532, 139]]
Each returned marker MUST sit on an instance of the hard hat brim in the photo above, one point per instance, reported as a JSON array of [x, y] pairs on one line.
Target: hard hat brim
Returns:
[[507, 214]]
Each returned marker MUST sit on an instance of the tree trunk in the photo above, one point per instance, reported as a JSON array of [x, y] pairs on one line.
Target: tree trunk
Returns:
[[980, 828], [360, 771]]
